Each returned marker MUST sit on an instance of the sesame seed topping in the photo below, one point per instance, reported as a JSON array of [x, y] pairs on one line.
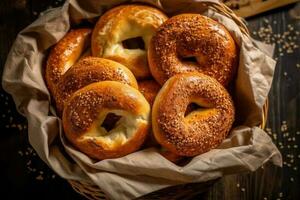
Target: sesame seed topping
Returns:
[[202, 129], [192, 35]]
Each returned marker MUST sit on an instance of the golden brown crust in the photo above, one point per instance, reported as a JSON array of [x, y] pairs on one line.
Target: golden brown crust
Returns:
[[121, 23], [199, 131], [89, 70], [192, 35], [82, 111], [64, 54], [149, 88]]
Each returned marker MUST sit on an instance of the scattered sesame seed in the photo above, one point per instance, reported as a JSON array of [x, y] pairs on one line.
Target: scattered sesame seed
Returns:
[[39, 177], [20, 153]]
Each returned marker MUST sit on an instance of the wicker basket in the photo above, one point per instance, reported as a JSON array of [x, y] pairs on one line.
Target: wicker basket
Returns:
[[93, 192]]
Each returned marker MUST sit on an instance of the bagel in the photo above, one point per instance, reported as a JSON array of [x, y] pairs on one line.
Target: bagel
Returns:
[[123, 24], [86, 110], [192, 43], [190, 134], [89, 70], [64, 54], [149, 88]]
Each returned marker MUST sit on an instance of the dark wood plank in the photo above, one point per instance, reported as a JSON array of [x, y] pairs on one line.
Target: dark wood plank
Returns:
[[23, 173]]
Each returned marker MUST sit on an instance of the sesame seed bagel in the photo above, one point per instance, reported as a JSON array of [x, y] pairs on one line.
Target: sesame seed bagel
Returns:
[[87, 109], [149, 88], [120, 24], [200, 130], [64, 54], [192, 43], [89, 70]]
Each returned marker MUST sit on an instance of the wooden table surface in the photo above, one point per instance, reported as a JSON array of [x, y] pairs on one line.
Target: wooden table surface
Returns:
[[24, 175]]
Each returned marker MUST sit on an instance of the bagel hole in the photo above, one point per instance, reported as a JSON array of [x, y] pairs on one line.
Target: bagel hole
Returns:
[[134, 43], [110, 121], [189, 59], [190, 108]]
